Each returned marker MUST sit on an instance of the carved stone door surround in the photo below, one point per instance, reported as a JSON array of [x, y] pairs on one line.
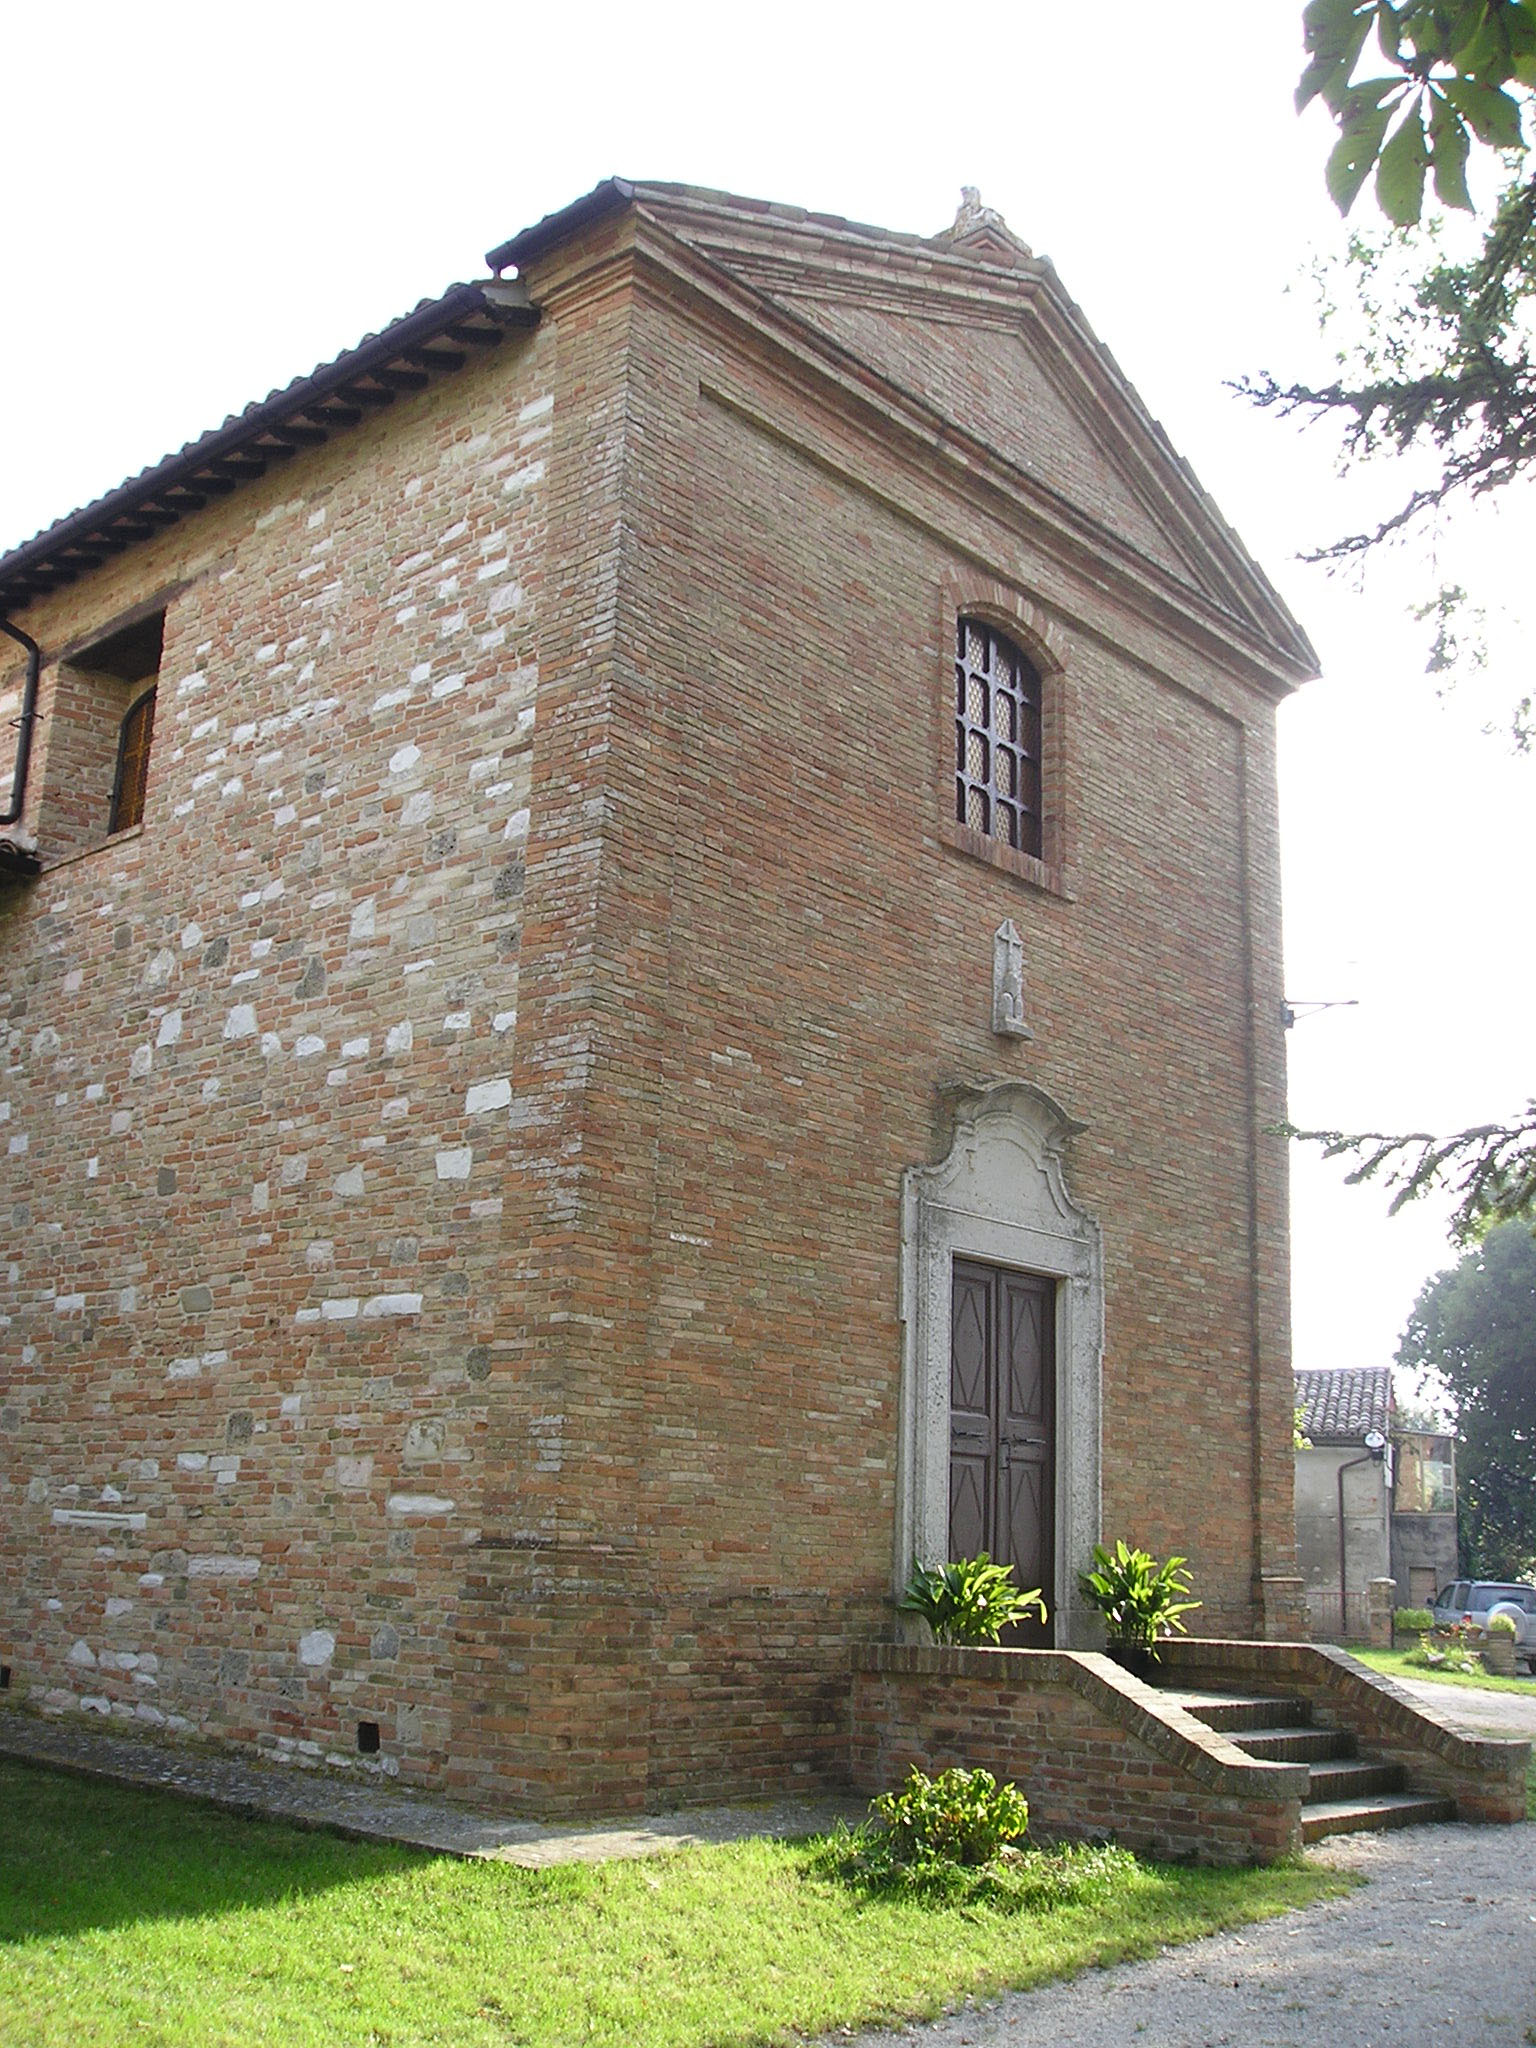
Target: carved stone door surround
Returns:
[[999, 1195]]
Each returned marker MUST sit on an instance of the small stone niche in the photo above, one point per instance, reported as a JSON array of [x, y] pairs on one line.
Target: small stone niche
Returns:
[[367, 1738]]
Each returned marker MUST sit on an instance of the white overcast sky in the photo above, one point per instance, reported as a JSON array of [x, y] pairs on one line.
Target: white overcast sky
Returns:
[[208, 200]]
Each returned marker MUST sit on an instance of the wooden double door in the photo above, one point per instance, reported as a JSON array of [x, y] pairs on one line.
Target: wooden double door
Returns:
[[1002, 1427]]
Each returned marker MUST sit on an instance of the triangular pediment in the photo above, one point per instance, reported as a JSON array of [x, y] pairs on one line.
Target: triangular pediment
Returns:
[[980, 332]]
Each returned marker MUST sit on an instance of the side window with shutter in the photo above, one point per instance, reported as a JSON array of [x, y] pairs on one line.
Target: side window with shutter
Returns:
[[133, 764]]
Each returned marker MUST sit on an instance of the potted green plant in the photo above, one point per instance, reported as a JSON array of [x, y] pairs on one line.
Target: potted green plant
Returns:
[[971, 1600], [1141, 1601], [1498, 1648]]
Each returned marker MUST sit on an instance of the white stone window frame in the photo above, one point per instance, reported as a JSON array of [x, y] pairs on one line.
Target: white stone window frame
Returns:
[[1000, 1195]]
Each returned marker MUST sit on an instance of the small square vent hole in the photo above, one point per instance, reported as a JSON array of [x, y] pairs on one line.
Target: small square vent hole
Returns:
[[5, 1677], [367, 1738]]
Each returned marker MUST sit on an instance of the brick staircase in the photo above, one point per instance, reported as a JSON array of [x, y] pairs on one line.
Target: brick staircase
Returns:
[[1348, 1790]]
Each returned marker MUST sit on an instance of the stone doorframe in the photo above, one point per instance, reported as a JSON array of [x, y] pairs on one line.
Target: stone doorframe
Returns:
[[1000, 1195]]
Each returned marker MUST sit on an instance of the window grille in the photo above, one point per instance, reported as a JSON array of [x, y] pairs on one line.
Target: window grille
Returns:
[[997, 738]]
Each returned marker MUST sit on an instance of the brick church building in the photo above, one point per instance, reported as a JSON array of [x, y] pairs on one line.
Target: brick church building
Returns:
[[639, 979]]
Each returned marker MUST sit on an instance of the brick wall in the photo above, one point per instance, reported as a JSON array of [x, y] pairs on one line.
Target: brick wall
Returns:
[[455, 1245]]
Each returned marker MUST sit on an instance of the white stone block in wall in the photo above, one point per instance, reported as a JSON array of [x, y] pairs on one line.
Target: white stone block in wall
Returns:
[[455, 1164], [488, 1095], [392, 1305], [219, 1565]]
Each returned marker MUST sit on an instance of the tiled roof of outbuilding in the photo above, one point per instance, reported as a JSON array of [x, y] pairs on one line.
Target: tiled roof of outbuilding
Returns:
[[1338, 1407]]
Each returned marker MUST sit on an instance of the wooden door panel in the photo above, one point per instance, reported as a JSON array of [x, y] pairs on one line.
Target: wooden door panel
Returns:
[[1002, 1425], [1025, 1350], [970, 1345], [970, 1490]]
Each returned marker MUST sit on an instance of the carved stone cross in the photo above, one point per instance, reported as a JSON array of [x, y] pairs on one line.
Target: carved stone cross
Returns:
[[1008, 982]]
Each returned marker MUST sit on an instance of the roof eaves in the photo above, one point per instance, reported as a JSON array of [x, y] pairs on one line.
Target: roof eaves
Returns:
[[557, 227], [335, 395]]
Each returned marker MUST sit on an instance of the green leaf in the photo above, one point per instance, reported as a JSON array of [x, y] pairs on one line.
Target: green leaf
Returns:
[[1349, 164], [1493, 115], [1400, 173], [1475, 42], [1389, 31], [1449, 144], [1334, 33]]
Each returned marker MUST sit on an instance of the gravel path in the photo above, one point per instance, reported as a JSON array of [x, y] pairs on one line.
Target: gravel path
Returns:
[[1437, 1950]]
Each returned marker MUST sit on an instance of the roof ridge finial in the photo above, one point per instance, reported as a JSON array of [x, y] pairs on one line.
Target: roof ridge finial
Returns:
[[984, 228]]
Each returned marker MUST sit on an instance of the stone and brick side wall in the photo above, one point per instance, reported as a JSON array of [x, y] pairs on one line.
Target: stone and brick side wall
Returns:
[[1096, 1752], [256, 1106]]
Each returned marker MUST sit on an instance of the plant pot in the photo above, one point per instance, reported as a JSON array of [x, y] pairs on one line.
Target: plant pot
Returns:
[[1498, 1655], [1137, 1658]]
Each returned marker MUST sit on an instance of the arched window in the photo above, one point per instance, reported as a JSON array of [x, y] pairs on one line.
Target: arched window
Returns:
[[997, 738], [133, 740]]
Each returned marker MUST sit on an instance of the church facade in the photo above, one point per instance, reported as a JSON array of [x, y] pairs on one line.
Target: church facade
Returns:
[[639, 980]]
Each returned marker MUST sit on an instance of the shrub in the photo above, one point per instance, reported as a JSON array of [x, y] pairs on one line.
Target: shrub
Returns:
[[971, 1600], [1139, 1598], [958, 1817], [953, 1841], [1413, 1621], [1502, 1625]]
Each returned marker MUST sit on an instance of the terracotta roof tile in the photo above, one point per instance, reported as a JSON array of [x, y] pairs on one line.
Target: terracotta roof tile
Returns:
[[1339, 1406]]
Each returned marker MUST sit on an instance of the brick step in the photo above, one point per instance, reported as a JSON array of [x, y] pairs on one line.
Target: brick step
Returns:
[[1386, 1810], [1231, 1710], [1358, 1780], [1296, 1745]]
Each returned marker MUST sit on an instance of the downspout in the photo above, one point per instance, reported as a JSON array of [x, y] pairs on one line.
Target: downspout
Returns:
[[1370, 1458], [24, 724]]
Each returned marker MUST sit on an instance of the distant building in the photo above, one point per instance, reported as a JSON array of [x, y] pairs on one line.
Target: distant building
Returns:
[[1372, 1502]]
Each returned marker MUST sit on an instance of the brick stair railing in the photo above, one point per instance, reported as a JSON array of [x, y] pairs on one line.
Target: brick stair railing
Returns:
[[1374, 1724], [1346, 1791]]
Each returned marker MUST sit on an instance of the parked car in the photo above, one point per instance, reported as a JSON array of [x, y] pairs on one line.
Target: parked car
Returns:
[[1477, 1601]]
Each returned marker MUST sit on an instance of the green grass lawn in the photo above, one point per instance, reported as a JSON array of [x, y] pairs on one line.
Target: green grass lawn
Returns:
[[136, 1917], [1394, 1664]]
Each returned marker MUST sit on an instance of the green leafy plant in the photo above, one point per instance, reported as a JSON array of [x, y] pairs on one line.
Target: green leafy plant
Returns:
[[1413, 1621], [958, 1817], [1140, 1599], [1502, 1625], [970, 1600], [955, 1840]]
